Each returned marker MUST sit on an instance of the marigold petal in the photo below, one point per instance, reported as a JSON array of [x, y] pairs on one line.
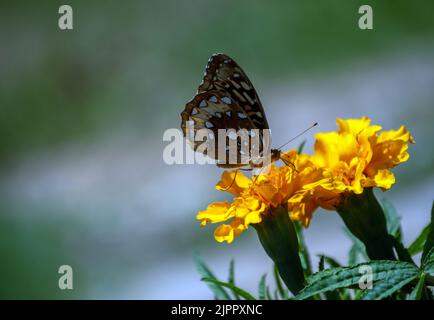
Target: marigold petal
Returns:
[[356, 126], [227, 182], [254, 216], [268, 193], [400, 134], [384, 179], [227, 232], [326, 149], [224, 232], [215, 212]]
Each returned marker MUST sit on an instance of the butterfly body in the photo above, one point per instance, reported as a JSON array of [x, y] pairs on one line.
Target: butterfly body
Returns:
[[275, 156]]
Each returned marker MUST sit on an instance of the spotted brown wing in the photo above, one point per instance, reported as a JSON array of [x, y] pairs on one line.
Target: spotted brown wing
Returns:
[[223, 73], [214, 110], [226, 99]]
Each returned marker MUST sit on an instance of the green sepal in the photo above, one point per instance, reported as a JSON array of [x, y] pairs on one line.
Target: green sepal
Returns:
[[278, 237], [364, 217]]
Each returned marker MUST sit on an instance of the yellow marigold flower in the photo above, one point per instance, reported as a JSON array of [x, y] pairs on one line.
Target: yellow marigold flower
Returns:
[[358, 156], [255, 198], [353, 160]]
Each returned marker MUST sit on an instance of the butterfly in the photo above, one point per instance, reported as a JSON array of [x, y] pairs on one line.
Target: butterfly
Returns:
[[226, 99]]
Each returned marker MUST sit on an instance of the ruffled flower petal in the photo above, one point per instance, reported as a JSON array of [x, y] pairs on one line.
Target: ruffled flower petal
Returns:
[[237, 186], [215, 212], [227, 232]]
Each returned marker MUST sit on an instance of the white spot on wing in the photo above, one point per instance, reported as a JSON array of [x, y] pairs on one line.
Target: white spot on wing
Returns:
[[213, 99], [241, 115], [245, 85], [236, 85], [226, 100]]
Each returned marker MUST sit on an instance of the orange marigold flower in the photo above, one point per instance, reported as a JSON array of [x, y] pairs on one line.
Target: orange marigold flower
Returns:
[[356, 157], [255, 198]]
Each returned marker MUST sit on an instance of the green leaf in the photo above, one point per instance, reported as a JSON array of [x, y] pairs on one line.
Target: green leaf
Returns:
[[302, 248], [242, 293], [219, 292], [232, 272], [332, 262], [429, 268], [418, 244], [353, 255], [332, 295], [283, 293], [321, 263], [276, 294], [344, 294], [263, 287], [301, 147], [392, 218], [428, 263], [417, 292], [268, 294], [383, 289], [344, 277], [430, 238], [231, 279], [358, 294]]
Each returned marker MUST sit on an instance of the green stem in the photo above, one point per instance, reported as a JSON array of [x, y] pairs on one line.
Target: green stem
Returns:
[[277, 235], [364, 217]]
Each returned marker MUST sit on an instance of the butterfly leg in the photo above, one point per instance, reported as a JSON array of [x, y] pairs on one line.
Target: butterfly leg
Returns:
[[235, 177], [232, 183], [257, 176]]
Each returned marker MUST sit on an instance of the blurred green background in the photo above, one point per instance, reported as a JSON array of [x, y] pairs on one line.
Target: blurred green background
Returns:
[[82, 115]]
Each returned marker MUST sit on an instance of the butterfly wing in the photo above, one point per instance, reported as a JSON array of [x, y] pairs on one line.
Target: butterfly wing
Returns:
[[214, 110], [226, 99], [223, 73]]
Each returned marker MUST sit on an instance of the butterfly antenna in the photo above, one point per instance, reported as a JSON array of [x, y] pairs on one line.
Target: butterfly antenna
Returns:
[[298, 135], [232, 183]]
